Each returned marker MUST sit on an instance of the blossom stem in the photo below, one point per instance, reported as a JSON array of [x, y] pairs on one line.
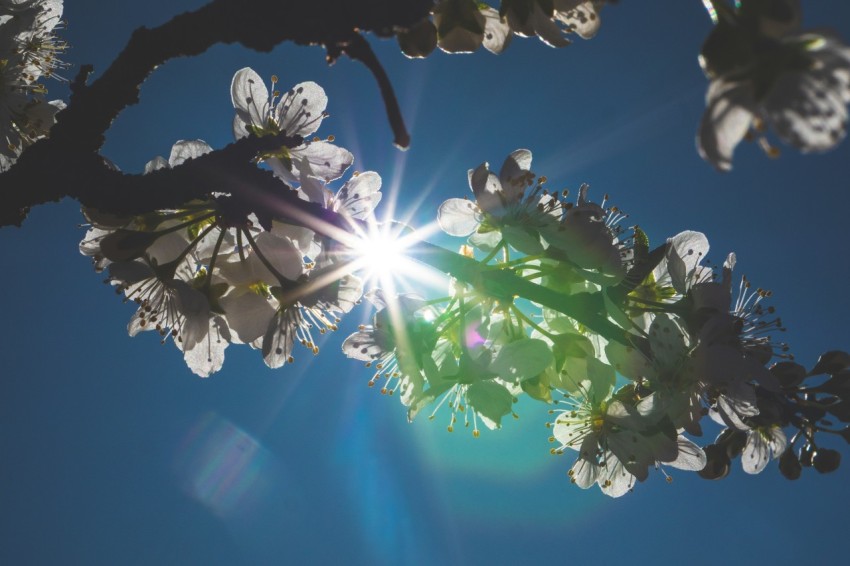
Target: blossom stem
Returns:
[[284, 282], [217, 246], [240, 246], [171, 267], [514, 262], [493, 252], [518, 312]]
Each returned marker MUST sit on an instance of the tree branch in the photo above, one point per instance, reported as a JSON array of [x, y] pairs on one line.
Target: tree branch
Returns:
[[67, 164], [359, 50]]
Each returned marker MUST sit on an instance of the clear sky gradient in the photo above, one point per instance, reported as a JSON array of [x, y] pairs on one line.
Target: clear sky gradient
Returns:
[[112, 452]]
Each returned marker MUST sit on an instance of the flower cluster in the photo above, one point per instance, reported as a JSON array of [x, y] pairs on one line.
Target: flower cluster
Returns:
[[29, 51], [553, 298], [765, 72], [671, 339], [207, 274], [462, 26]]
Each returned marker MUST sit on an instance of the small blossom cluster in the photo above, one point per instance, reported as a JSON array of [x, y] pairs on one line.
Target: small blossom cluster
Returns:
[[207, 276], [687, 343], [462, 26], [765, 72], [29, 52]]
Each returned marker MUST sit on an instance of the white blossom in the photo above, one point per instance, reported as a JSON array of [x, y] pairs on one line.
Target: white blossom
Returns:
[[296, 112]]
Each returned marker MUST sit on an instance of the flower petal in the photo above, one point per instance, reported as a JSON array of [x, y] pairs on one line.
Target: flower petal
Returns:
[[487, 190], [497, 32], [248, 314], [523, 239], [207, 356], [183, 150], [321, 159], [359, 196], [808, 109], [580, 17], [458, 217], [684, 253], [514, 174], [301, 110], [728, 115], [690, 456], [250, 98]]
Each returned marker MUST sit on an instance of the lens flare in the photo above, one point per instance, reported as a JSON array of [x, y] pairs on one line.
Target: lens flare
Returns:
[[382, 255]]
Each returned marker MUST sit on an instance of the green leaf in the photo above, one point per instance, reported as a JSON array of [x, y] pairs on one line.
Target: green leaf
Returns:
[[491, 401], [521, 360], [198, 227], [538, 387]]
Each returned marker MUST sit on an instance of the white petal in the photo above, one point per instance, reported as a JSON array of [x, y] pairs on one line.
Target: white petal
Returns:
[[487, 190], [808, 110], [130, 272], [207, 357], [522, 239], [248, 314], [728, 115], [485, 241], [668, 343], [756, 453], [579, 16], [349, 292], [460, 26], [546, 29], [282, 254], [360, 195], [497, 32], [315, 190], [280, 337], [195, 309], [684, 253], [183, 150], [168, 247], [363, 346], [301, 110], [614, 480], [250, 98], [321, 159], [303, 238], [690, 456], [629, 361], [458, 217], [585, 472], [156, 164], [460, 40], [514, 174]]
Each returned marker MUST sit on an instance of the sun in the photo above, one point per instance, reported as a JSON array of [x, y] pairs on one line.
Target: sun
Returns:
[[382, 255]]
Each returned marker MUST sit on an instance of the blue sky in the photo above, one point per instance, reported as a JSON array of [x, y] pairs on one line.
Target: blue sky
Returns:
[[113, 452]]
